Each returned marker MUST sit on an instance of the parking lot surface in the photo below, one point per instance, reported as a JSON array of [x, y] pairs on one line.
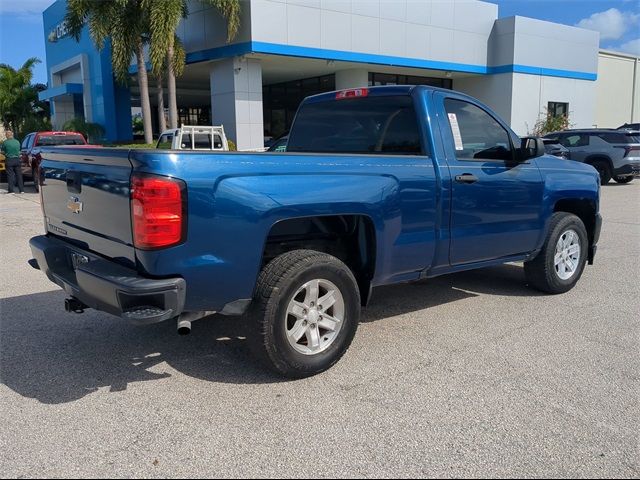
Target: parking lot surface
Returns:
[[472, 374]]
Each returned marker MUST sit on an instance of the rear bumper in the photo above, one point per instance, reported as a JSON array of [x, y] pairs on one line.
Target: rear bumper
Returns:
[[631, 168], [107, 286]]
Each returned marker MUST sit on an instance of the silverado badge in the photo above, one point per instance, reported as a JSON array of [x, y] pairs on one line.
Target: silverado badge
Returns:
[[74, 204]]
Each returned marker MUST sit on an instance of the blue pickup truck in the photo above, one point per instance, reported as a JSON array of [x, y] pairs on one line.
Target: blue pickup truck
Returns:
[[377, 186]]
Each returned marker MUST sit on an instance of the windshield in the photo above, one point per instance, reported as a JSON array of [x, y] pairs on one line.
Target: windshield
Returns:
[[53, 140]]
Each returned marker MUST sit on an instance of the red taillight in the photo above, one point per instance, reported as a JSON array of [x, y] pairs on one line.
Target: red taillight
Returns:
[[356, 92], [157, 211]]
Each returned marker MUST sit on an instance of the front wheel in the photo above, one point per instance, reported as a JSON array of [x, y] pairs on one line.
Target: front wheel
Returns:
[[305, 313], [560, 263], [623, 179]]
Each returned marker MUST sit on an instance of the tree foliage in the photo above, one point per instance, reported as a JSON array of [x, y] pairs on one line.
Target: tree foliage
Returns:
[[93, 132], [123, 23], [20, 107], [164, 18]]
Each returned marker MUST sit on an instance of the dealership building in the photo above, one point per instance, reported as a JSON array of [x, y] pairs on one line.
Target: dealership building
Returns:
[[289, 49]]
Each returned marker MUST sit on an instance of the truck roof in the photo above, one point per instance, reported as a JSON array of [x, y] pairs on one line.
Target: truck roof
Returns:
[[57, 133], [386, 90]]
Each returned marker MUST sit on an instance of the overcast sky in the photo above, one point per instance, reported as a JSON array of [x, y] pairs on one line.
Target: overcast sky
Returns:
[[618, 21]]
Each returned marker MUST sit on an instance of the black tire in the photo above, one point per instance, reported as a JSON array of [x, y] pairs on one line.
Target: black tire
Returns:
[[623, 179], [541, 271], [277, 284], [604, 170]]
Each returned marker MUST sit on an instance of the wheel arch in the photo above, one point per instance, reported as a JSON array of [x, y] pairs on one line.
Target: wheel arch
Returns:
[[349, 237], [586, 210], [599, 157]]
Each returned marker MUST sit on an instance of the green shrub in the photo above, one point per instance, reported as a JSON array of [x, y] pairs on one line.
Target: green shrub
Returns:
[[550, 123]]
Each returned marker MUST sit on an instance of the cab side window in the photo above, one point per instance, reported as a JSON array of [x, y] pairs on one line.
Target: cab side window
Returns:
[[476, 134]]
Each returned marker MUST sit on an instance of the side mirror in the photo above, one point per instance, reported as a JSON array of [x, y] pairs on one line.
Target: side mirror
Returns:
[[531, 147]]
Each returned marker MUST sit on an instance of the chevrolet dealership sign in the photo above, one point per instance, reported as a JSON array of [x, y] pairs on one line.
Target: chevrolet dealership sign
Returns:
[[59, 31]]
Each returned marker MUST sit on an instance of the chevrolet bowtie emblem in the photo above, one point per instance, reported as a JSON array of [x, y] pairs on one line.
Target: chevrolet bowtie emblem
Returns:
[[74, 204]]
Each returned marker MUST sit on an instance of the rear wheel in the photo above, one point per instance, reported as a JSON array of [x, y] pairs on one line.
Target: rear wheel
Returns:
[[305, 313], [604, 170], [627, 179], [560, 263]]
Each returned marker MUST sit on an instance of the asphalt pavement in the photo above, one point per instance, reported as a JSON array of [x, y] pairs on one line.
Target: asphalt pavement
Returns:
[[468, 375]]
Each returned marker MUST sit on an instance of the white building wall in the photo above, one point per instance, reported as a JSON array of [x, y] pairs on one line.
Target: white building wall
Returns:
[[63, 111], [205, 28], [618, 90], [352, 78], [440, 30], [495, 91], [236, 100], [531, 94]]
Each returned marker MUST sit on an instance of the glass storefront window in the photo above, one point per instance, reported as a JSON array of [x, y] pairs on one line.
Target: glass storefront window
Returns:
[[280, 101], [380, 79], [194, 116]]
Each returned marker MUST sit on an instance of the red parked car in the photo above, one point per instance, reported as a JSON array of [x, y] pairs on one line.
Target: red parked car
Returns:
[[33, 143]]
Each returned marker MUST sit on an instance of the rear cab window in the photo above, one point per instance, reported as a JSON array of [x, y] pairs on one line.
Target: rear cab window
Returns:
[[202, 141], [56, 140], [382, 125]]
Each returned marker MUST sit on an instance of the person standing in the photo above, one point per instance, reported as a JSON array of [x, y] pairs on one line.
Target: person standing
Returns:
[[11, 150]]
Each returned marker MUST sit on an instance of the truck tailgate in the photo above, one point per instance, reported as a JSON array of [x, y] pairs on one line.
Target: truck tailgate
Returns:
[[85, 196]]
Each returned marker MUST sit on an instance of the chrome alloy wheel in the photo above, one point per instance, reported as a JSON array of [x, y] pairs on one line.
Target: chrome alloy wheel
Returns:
[[314, 317], [567, 256]]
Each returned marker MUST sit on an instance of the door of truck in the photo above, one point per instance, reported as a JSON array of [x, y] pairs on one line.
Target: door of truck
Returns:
[[496, 202]]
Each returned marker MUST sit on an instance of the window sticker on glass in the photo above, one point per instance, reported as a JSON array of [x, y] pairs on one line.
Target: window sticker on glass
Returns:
[[455, 129]]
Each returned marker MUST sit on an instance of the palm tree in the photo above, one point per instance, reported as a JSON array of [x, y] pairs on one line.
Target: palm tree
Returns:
[[19, 103], [125, 23], [165, 49], [162, 124]]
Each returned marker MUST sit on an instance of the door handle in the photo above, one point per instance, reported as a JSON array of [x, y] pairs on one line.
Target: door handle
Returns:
[[466, 178]]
